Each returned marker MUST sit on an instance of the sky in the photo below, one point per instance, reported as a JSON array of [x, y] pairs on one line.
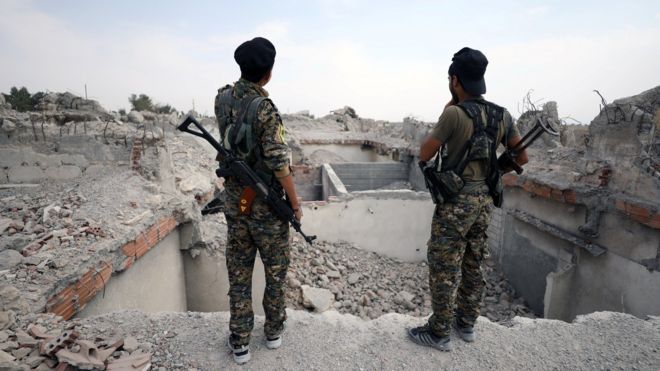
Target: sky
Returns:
[[386, 59]]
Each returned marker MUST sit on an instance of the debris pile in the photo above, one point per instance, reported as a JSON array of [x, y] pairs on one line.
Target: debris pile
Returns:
[[61, 347], [368, 285]]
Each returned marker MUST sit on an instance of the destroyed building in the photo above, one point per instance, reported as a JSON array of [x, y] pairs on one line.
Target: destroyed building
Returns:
[[106, 257]]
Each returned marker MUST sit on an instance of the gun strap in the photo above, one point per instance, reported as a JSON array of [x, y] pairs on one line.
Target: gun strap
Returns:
[[245, 202]]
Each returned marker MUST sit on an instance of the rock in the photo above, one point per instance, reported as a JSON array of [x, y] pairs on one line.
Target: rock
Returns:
[[6, 357], [406, 299], [315, 298], [353, 278], [365, 301], [135, 117], [294, 283], [317, 261], [7, 319], [333, 274], [5, 223], [50, 211], [11, 300], [9, 259], [330, 265], [21, 353], [4, 335], [16, 242], [130, 344]]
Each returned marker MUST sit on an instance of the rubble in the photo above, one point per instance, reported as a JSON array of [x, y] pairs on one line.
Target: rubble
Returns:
[[369, 285], [80, 185]]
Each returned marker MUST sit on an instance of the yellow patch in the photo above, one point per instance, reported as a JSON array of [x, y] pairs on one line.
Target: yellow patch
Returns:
[[280, 132]]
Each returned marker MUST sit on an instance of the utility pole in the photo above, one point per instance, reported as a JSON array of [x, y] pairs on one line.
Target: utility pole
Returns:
[[85, 91], [193, 104]]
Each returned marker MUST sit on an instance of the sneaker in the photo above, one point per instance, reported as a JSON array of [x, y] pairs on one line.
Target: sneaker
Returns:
[[424, 336], [465, 332], [274, 342], [241, 353]]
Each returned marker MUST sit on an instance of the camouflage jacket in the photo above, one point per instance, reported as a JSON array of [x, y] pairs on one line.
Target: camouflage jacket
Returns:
[[269, 128]]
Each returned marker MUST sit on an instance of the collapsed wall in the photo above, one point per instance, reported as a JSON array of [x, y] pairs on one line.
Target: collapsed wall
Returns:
[[579, 230]]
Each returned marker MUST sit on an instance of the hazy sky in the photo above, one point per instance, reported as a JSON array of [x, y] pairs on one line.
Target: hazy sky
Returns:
[[387, 59]]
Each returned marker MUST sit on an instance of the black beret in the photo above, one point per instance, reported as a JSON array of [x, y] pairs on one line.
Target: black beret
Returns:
[[255, 56]]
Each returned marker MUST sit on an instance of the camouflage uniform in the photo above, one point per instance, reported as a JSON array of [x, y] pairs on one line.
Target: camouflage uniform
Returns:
[[259, 231], [457, 247], [458, 243]]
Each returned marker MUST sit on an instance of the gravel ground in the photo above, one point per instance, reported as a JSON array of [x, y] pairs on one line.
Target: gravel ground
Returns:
[[334, 341]]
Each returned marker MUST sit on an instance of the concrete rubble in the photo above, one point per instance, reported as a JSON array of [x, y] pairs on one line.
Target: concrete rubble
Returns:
[[85, 193]]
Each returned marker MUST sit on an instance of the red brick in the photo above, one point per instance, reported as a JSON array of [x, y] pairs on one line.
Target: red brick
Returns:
[[510, 180], [654, 221], [127, 263], [639, 213], [542, 191], [570, 196]]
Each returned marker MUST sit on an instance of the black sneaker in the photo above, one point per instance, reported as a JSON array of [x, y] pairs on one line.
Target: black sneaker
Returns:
[[241, 353], [466, 332], [424, 336]]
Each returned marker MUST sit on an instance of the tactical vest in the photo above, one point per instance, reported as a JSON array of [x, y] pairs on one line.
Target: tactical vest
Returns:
[[482, 146], [237, 132]]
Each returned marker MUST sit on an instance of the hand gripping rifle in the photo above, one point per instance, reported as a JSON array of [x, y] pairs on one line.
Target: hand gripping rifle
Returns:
[[507, 160], [238, 168]]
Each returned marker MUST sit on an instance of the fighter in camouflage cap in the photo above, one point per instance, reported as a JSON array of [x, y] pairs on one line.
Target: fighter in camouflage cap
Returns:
[[251, 126], [458, 246]]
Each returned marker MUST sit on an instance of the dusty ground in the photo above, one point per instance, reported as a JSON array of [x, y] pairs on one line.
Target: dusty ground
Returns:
[[332, 341]]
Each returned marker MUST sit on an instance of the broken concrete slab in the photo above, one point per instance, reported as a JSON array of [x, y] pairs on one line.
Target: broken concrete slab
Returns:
[[130, 344], [7, 319], [138, 361], [4, 356], [318, 299], [64, 172], [25, 174]]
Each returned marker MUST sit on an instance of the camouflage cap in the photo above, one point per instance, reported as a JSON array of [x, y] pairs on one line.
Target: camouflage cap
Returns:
[[469, 65]]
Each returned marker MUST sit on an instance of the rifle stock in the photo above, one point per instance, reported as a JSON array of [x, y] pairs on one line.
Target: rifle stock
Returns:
[[237, 167]]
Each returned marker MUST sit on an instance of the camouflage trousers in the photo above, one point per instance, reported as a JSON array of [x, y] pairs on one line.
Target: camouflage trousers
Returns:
[[260, 231], [456, 250]]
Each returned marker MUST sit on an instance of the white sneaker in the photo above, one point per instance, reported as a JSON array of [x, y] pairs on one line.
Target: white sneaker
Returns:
[[274, 343], [241, 353]]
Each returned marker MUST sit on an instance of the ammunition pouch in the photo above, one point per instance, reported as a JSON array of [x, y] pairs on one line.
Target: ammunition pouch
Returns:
[[443, 186]]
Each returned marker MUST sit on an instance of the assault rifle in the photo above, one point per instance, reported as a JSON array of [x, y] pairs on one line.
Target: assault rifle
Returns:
[[507, 160], [237, 167]]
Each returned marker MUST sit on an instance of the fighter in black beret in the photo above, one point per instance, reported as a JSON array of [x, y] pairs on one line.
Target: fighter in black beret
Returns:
[[251, 127]]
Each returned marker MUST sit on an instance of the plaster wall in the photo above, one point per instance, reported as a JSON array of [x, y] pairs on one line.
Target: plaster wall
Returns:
[[207, 284], [561, 280], [395, 224], [611, 282], [154, 283], [362, 176], [348, 152]]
